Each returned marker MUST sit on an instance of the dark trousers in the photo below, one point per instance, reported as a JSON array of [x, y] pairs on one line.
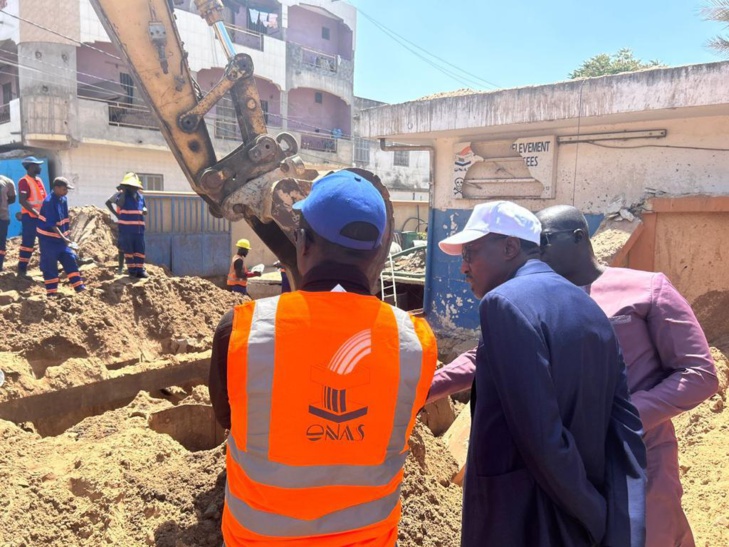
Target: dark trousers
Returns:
[[51, 253], [27, 243], [238, 288], [3, 240], [134, 248]]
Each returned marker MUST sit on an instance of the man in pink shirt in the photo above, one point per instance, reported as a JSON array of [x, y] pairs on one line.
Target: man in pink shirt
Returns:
[[669, 366]]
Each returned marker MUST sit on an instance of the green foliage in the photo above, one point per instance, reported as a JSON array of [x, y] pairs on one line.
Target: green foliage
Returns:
[[718, 11], [604, 64]]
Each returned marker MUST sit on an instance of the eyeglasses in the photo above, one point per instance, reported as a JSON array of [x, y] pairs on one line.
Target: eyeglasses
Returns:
[[544, 238], [467, 252]]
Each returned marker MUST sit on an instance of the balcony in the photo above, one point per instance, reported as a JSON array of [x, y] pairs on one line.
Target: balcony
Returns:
[[310, 68], [319, 149], [245, 37]]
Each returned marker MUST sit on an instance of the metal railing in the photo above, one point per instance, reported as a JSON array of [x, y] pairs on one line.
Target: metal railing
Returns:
[[318, 143], [245, 37], [318, 59], [123, 114], [5, 113]]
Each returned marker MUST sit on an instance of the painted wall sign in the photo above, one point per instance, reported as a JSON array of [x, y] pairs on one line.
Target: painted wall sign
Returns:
[[524, 168]]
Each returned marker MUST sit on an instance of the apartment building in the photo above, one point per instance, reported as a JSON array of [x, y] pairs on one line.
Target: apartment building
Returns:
[[66, 94]]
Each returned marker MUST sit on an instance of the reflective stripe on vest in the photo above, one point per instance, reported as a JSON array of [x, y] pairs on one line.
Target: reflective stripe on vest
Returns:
[[274, 491], [233, 279], [130, 213], [36, 196]]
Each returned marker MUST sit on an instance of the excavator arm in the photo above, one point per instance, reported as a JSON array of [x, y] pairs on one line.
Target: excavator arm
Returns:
[[261, 179]]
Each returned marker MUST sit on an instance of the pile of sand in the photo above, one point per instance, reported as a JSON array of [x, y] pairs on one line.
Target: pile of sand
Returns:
[[703, 437], [112, 480]]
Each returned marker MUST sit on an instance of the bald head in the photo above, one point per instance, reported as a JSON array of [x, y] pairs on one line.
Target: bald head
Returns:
[[562, 217], [565, 244]]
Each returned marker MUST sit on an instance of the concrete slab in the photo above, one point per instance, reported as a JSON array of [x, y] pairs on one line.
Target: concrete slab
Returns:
[[456, 439]]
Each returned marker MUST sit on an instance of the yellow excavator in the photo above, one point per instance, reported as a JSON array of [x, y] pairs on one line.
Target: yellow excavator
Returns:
[[259, 180]]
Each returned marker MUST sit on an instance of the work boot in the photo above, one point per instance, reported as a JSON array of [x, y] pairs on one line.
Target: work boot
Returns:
[[23, 275], [142, 274]]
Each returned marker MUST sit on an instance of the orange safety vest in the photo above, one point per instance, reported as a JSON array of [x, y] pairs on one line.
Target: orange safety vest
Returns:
[[233, 277], [324, 390], [36, 196]]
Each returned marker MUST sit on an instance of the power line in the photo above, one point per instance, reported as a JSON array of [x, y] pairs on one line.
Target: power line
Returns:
[[60, 35], [468, 75]]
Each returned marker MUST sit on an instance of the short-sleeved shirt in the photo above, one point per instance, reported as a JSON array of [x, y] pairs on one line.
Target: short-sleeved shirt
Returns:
[[7, 192]]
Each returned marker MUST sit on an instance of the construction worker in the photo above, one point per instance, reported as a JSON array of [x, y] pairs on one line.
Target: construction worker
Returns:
[[7, 197], [238, 274], [55, 246], [131, 210], [31, 195], [110, 204], [321, 387], [555, 456]]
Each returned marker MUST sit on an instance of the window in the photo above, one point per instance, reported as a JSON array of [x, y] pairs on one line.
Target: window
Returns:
[[361, 150], [264, 107], [152, 183], [325, 33], [402, 158], [226, 123], [128, 85], [7, 93], [318, 98]]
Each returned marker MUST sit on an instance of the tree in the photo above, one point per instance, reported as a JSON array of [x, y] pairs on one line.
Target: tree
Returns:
[[604, 64], [718, 10]]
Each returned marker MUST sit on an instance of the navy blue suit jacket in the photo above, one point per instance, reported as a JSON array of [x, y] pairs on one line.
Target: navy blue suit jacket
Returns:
[[555, 456]]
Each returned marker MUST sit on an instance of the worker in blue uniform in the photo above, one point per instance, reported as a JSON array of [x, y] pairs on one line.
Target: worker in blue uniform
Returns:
[[53, 235], [131, 209]]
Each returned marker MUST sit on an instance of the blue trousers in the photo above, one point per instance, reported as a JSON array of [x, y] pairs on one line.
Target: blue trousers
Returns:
[[27, 243], [133, 247], [238, 288], [51, 253], [3, 240]]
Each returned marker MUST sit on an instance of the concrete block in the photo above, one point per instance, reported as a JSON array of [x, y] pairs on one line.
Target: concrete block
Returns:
[[456, 440], [438, 416]]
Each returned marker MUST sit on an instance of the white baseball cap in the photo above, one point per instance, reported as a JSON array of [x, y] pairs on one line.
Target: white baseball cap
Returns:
[[495, 217]]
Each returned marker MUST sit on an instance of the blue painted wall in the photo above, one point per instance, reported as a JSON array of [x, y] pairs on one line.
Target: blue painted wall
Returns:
[[449, 302], [13, 169]]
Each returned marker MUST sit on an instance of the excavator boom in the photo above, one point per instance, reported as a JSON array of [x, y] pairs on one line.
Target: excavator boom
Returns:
[[261, 179]]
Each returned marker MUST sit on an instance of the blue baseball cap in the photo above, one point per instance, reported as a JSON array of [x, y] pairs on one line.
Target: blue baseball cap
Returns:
[[32, 159], [340, 199]]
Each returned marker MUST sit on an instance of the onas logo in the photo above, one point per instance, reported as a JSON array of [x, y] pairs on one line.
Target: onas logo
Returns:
[[337, 379]]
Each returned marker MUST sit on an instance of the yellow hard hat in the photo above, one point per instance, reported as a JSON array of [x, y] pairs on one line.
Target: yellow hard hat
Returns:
[[131, 179], [243, 244]]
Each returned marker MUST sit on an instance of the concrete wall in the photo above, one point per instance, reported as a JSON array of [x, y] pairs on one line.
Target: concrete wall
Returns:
[[690, 250], [96, 170], [304, 27], [690, 103], [61, 14]]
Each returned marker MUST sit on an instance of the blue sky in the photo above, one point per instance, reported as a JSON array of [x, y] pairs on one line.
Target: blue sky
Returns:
[[517, 43]]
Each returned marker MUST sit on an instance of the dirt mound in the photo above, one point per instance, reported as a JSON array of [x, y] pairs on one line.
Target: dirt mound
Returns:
[[75, 338], [712, 311], [703, 436], [413, 263], [112, 480], [95, 232]]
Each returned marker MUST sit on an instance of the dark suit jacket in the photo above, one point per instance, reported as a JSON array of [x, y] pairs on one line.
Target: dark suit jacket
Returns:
[[555, 456]]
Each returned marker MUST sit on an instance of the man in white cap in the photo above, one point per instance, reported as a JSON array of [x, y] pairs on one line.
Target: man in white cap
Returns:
[[555, 456]]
